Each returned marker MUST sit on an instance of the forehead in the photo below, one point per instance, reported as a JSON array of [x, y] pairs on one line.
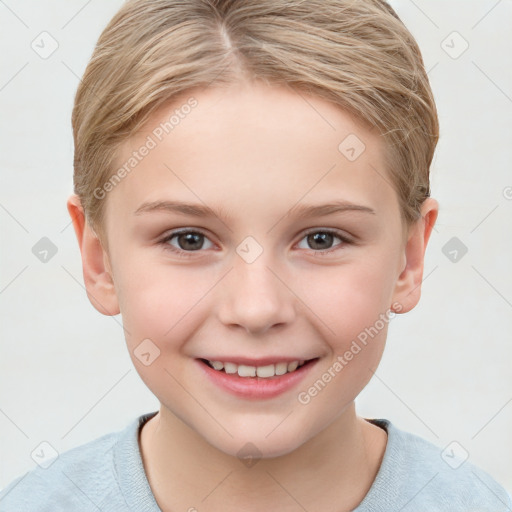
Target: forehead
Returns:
[[249, 147]]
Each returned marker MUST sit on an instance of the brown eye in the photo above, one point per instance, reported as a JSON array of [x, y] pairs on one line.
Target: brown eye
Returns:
[[187, 241], [323, 241], [190, 241]]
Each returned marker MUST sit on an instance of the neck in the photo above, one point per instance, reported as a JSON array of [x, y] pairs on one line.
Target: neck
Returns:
[[331, 472]]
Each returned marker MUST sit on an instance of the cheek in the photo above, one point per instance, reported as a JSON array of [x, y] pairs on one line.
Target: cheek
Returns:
[[348, 298], [353, 305], [158, 301]]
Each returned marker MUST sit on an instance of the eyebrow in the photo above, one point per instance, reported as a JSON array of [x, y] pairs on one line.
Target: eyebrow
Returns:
[[300, 211]]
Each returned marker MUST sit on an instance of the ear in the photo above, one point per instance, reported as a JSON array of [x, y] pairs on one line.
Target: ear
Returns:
[[95, 262], [408, 286]]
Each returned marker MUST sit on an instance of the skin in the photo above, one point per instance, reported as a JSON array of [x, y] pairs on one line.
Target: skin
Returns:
[[252, 152]]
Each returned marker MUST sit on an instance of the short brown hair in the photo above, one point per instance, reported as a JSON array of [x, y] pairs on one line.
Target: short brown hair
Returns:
[[354, 53]]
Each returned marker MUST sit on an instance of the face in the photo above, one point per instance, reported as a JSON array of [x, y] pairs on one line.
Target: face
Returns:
[[248, 279]]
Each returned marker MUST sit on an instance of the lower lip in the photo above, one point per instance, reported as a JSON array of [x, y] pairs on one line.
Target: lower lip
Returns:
[[256, 387]]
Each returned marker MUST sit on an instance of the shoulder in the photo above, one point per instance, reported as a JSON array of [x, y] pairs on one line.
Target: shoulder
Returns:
[[80, 479], [426, 477]]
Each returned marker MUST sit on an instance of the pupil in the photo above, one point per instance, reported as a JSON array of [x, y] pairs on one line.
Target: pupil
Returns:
[[317, 238], [190, 238]]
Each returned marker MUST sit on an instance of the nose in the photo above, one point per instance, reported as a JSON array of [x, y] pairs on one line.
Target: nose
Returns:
[[255, 297]]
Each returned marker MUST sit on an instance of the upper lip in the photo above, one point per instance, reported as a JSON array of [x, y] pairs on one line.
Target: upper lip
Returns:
[[263, 361]]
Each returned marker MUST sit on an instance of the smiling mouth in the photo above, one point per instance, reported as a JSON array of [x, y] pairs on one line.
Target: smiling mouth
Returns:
[[267, 371]]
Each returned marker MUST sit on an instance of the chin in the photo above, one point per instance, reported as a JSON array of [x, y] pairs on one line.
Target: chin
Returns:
[[253, 444]]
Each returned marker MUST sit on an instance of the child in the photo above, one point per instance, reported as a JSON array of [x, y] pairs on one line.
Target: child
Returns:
[[291, 141]]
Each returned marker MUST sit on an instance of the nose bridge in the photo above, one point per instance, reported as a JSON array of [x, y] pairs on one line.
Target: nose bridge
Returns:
[[254, 297]]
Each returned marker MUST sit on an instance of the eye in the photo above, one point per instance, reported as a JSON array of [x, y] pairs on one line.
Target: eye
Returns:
[[187, 241], [321, 241]]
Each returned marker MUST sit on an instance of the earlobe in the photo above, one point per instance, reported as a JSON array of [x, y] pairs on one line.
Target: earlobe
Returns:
[[408, 286], [95, 262]]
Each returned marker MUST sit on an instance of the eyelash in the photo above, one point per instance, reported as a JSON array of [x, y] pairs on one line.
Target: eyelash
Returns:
[[187, 254]]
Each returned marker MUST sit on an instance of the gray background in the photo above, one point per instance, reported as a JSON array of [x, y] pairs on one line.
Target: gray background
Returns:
[[65, 374]]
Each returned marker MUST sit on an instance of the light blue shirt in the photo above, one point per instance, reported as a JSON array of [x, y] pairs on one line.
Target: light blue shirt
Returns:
[[107, 475]]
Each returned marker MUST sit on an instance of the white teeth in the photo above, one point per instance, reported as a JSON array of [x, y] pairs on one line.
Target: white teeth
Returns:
[[252, 371], [293, 366], [281, 368], [246, 371], [230, 368], [265, 371]]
